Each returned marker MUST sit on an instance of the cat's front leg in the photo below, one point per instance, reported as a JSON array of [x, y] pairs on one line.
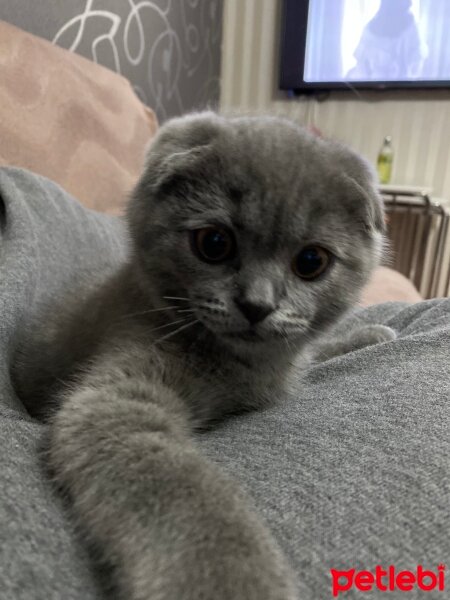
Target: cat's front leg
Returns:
[[168, 522]]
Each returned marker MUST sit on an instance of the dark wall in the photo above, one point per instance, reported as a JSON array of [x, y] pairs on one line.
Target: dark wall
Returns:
[[168, 49]]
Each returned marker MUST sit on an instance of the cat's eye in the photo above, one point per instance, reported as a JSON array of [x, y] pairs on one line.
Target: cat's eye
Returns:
[[213, 244], [311, 262]]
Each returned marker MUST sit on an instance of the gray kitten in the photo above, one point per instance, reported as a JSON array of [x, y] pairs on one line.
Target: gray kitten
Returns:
[[249, 239]]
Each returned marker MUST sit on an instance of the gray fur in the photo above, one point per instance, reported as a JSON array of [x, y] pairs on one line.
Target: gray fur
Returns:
[[140, 376]]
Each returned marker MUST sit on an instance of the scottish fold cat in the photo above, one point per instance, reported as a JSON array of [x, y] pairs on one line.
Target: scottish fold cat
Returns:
[[250, 238]]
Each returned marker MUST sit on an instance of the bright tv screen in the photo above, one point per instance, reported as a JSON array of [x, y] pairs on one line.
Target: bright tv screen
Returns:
[[330, 44]]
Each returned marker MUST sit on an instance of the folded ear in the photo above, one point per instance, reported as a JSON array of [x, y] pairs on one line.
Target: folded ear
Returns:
[[367, 203], [179, 148], [361, 180]]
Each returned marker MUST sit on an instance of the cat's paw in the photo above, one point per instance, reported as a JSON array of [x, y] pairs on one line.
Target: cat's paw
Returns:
[[240, 583], [373, 334], [242, 567], [356, 339]]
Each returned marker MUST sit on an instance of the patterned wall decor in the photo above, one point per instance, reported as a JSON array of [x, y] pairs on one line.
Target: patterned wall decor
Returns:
[[168, 49]]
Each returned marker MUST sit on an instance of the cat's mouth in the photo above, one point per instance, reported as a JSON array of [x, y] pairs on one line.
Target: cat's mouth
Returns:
[[247, 335]]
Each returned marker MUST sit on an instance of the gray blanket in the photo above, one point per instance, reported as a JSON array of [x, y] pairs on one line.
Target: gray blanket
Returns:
[[351, 471]]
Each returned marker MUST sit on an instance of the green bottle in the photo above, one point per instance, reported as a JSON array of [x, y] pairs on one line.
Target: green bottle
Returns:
[[384, 161]]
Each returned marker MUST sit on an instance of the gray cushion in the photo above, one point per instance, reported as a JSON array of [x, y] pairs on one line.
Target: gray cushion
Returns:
[[350, 471]]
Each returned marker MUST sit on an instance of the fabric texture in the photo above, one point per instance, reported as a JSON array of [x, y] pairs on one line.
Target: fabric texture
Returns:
[[44, 235], [70, 119], [350, 471]]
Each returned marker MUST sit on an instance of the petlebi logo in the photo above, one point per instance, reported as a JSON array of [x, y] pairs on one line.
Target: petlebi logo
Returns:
[[388, 579]]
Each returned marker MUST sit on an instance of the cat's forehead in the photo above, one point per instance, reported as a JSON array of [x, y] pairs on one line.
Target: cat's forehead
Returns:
[[275, 158], [275, 217], [281, 181], [266, 144]]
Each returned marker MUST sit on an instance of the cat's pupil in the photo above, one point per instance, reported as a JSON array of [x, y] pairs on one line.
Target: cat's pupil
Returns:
[[212, 244], [311, 262]]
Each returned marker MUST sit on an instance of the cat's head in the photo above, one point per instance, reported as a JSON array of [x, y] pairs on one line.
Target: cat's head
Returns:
[[267, 232]]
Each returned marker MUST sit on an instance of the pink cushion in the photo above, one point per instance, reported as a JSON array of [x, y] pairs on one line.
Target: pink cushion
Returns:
[[389, 285], [70, 119]]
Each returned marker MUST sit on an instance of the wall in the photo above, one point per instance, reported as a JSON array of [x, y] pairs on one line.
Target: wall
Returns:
[[419, 122], [168, 49]]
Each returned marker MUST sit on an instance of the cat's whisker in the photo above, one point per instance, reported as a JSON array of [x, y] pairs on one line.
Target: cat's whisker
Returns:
[[168, 325], [186, 310], [285, 338], [165, 337], [176, 298], [315, 330], [318, 352], [152, 310]]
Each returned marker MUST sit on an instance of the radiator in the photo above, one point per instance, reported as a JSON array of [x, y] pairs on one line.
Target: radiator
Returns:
[[419, 238]]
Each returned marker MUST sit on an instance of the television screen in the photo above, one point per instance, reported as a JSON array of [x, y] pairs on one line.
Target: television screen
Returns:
[[330, 44]]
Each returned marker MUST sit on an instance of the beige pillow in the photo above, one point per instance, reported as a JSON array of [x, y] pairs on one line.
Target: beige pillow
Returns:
[[70, 119]]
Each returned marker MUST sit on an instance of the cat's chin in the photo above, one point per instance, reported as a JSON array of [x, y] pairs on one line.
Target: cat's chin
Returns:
[[249, 342], [248, 335]]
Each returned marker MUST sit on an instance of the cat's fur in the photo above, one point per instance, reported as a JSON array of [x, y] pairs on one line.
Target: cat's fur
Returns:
[[168, 522]]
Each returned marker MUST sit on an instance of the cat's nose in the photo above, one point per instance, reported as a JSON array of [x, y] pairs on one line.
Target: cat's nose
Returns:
[[254, 312]]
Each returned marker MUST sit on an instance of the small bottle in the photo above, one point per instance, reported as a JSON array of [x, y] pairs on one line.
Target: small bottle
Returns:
[[384, 161]]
